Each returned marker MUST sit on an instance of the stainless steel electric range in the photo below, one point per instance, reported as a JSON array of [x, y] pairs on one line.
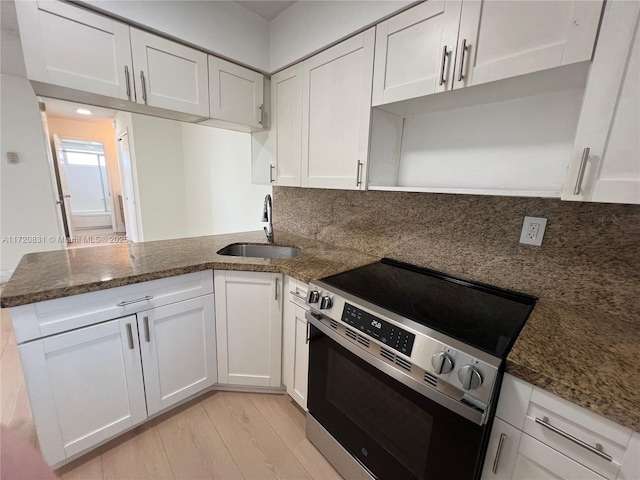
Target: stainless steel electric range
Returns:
[[405, 366]]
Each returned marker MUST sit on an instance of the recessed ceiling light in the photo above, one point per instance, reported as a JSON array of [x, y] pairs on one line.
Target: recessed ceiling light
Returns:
[[83, 111]]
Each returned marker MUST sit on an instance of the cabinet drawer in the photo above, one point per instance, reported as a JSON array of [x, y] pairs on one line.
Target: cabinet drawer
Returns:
[[62, 314], [298, 293], [553, 421]]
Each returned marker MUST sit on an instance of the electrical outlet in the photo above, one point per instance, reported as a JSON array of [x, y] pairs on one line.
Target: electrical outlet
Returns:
[[533, 230]]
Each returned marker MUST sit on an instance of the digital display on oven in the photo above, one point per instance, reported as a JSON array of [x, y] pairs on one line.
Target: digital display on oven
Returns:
[[383, 331]]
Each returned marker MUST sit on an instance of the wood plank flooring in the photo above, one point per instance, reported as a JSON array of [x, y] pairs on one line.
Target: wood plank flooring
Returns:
[[221, 435]]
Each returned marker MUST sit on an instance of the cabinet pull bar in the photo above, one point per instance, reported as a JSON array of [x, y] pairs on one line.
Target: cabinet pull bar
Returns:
[[144, 87], [271, 167], [276, 297], [583, 166], [137, 300], [359, 174], [596, 450], [503, 437], [445, 54], [129, 336], [308, 333], [296, 294], [465, 47], [147, 337], [127, 81], [261, 114]]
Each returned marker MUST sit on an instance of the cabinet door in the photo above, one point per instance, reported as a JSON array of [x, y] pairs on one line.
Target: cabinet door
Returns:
[[501, 39], [169, 75], [85, 386], [536, 461], [236, 93], [604, 163], [501, 451], [178, 349], [336, 112], [69, 46], [415, 52], [300, 359], [286, 108], [249, 327]]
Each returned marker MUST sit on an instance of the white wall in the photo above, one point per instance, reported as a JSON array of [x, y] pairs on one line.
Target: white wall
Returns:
[[309, 26], [160, 176], [223, 28], [217, 171], [27, 200]]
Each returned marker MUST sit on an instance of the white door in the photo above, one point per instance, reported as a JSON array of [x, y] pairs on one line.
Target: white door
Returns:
[[72, 47], [169, 75], [501, 451], [502, 39], [128, 190], [85, 386], [415, 52], [249, 327], [236, 93], [537, 461], [178, 349], [301, 358], [605, 162], [63, 186], [336, 113], [286, 118]]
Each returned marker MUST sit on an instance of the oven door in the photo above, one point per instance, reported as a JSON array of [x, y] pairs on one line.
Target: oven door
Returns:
[[392, 430]]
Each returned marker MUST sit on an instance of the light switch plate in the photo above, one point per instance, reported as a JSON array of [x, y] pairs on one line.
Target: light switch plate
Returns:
[[533, 230]]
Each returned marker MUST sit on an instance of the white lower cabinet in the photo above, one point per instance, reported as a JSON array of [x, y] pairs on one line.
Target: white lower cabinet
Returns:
[[248, 327], [295, 347], [555, 439]]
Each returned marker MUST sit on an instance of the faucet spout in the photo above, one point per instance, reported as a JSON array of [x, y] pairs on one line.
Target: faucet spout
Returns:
[[267, 216]]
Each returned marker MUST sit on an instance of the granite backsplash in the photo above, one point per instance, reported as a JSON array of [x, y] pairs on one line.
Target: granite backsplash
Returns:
[[589, 259]]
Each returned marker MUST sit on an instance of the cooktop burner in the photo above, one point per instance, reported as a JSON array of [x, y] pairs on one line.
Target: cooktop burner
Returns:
[[486, 317]]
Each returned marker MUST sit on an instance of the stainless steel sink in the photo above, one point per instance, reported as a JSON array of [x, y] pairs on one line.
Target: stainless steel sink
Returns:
[[259, 250]]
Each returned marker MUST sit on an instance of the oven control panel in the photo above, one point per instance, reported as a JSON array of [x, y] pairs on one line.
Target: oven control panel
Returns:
[[391, 335]]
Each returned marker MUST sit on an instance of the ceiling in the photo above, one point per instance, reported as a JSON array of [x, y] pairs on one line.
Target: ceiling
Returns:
[[267, 9], [62, 109]]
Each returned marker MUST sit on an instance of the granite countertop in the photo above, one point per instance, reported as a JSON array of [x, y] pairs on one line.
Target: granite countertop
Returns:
[[581, 356]]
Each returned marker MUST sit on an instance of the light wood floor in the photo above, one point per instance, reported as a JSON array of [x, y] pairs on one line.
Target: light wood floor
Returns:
[[221, 435]]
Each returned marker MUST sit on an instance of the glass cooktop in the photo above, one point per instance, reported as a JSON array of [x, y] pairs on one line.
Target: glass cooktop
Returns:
[[483, 316]]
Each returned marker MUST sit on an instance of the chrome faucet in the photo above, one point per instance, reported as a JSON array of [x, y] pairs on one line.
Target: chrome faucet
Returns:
[[267, 216]]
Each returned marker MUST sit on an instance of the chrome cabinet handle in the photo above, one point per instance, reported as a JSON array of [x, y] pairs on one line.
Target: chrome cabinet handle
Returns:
[[127, 81], [583, 166], [503, 437], [308, 333], [359, 174], [261, 114], [147, 337], [296, 294], [465, 47], [276, 297], [596, 450], [137, 300], [130, 336], [445, 55], [271, 168], [144, 86]]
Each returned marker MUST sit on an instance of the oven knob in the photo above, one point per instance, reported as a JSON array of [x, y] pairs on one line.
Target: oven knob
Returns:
[[470, 377], [442, 363], [326, 303], [313, 296]]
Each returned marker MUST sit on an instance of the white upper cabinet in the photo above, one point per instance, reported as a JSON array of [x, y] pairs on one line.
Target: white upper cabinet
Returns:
[[414, 52], [169, 75], [605, 162], [502, 39], [237, 93], [336, 114], [286, 117], [71, 47], [440, 45]]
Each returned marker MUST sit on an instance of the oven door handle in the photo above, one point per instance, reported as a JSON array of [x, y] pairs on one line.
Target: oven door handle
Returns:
[[469, 413]]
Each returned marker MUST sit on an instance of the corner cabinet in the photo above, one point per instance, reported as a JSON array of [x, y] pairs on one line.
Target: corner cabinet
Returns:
[[605, 165], [99, 363], [443, 45], [336, 114], [249, 328]]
